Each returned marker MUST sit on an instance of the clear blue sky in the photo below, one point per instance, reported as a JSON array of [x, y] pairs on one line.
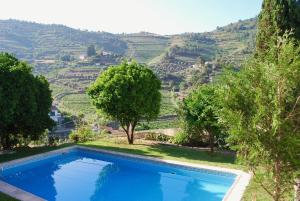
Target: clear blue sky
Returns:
[[117, 16]]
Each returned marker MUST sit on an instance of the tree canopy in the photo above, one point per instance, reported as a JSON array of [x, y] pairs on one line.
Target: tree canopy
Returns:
[[128, 92], [276, 17], [261, 108], [199, 112], [25, 101]]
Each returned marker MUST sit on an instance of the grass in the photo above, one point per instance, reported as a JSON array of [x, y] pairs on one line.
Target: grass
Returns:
[[4, 197], [255, 192], [160, 124], [166, 152], [28, 151]]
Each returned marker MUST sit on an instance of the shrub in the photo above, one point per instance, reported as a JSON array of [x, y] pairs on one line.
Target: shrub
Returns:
[[180, 138], [82, 134], [52, 140], [74, 136], [157, 137], [191, 139], [142, 126]]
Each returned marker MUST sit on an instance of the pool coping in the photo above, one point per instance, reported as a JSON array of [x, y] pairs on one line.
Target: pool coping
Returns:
[[234, 193]]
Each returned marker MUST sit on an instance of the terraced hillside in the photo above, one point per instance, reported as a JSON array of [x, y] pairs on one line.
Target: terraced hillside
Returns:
[[236, 41], [33, 41], [179, 60], [231, 44], [48, 43], [145, 46], [69, 85]]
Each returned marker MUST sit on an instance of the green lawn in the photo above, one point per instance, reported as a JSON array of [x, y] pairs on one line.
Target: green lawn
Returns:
[[4, 197], [153, 150], [27, 151], [167, 152]]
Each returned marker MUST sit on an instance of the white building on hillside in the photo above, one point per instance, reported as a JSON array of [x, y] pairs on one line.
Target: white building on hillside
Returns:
[[55, 115]]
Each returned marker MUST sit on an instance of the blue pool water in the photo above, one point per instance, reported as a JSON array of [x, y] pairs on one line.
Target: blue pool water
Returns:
[[82, 175]]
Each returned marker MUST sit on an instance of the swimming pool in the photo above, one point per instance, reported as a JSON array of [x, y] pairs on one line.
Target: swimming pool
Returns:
[[80, 174]]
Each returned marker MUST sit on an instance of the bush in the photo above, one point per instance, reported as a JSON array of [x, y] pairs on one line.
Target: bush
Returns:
[[104, 133], [74, 136], [82, 134], [191, 139], [157, 137], [180, 138], [53, 141], [142, 126]]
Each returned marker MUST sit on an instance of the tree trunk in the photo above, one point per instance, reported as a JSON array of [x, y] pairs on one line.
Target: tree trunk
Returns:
[[130, 132], [297, 190], [211, 141], [131, 136], [277, 181], [130, 141], [211, 145]]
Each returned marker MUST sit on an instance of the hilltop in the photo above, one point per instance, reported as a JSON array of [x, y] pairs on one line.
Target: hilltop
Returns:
[[32, 41]]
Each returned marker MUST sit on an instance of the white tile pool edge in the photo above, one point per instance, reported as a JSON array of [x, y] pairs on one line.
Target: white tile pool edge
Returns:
[[235, 192]]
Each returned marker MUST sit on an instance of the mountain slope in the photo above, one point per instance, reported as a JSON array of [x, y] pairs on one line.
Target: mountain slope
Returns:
[[38, 41], [231, 44], [145, 46], [166, 54]]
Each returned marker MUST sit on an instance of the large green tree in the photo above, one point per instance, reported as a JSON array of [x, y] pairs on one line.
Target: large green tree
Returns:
[[199, 113], [261, 107], [276, 17], [128, 92], [25, 101]]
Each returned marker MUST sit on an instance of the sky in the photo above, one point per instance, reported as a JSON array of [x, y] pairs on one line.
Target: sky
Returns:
[[131, 16]]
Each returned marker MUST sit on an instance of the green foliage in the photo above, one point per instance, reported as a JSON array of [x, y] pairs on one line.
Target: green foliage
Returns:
[[199, 113], [183, 138], [157, 137], [276, 17], [82, 134], [25, 101], [262, 111], [53, 140], [91, 51], [158, 124], [129, 93]]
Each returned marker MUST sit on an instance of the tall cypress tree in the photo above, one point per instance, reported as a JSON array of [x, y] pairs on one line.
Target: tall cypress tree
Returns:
[[277, 17]]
